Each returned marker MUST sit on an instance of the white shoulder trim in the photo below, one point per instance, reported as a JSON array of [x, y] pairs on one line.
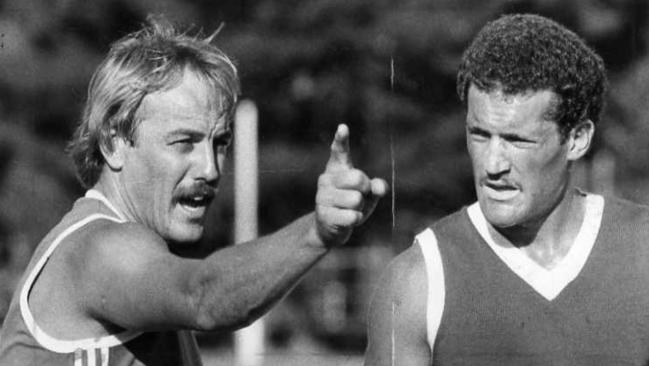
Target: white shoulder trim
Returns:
[[427, 241], [95, 194], [47, 341]]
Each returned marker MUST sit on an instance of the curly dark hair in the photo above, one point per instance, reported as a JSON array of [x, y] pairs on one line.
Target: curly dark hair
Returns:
[[524, 52]]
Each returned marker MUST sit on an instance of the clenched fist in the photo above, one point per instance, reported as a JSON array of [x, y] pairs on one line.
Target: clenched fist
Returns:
[[346, 196]]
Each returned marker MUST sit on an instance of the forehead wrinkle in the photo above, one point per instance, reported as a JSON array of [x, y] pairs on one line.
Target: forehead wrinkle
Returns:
[[510, 111], [493, 110], [172, 110]]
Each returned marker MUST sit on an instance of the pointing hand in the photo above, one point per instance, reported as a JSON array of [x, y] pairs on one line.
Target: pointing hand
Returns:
[[346, 196]]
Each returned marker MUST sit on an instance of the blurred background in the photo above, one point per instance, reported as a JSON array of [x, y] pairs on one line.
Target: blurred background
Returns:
[[386, 68]]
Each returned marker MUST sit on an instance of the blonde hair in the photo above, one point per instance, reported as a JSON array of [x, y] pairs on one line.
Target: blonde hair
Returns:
[[149, 60]]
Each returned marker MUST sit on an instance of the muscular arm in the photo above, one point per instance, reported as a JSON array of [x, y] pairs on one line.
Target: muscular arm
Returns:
[[146, 287], [397, 316], [132, 280]]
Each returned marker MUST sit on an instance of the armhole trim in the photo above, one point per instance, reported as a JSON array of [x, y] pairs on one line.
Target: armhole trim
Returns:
[[436, 293], [44, 339]]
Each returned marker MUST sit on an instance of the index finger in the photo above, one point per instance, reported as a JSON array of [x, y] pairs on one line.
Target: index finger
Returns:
[[340, 156]]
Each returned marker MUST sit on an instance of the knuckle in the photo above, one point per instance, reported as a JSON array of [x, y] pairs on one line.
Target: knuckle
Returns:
[[362, 181], [323, 213], [324, 180], [319, 199], [347, 218], [323, 198], [357, 217], [356, 177], [355, 199]]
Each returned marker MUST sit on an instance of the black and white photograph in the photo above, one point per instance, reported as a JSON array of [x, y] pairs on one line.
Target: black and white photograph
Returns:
[[324, 182]]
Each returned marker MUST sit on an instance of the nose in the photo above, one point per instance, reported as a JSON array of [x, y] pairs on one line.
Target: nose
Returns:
[[496, 160], [209, 167]]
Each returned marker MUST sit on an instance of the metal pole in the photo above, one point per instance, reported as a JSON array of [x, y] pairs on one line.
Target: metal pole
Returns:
[[249, 342]]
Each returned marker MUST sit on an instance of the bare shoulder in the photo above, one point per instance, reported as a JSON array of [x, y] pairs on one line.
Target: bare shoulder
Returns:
[[397, 316], [81, 269], [124, 235], [400, 289], [112, 246], [405, 276]]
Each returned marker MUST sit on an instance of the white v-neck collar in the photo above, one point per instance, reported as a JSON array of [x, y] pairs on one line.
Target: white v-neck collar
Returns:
[[95, 194], [548, 283]]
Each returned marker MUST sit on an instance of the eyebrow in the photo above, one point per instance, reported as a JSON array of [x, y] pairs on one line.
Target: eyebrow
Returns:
[[184, 132], [472, 128], [507, 136]]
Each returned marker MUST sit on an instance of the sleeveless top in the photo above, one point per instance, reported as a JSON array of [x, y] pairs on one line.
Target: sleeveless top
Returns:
[[23, 342], [491, 305]]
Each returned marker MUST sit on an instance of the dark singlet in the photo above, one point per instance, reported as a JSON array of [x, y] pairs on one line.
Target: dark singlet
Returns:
[[489, 305], [24, 343]]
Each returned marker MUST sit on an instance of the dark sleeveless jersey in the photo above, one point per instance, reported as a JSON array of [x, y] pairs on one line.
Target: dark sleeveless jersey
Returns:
[[488, 307], [24, 343]]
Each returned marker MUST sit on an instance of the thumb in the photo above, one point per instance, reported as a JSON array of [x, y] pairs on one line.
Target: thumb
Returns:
[[379, 188]]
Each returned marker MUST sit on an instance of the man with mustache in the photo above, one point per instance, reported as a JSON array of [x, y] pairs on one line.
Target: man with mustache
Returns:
[[536, 272], [103, 287]]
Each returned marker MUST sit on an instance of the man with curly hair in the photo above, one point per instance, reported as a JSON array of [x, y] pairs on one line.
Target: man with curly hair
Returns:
[[104, 287], [536, 272]]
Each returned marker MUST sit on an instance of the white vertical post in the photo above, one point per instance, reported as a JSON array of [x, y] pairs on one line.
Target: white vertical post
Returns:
[[248, 342]]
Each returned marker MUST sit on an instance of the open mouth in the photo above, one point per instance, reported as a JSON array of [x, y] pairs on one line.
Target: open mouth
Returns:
[[195, 203], [195, 199]]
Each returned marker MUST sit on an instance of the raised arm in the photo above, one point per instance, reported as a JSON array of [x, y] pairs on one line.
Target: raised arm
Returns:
[[146, 287], [397, 316]]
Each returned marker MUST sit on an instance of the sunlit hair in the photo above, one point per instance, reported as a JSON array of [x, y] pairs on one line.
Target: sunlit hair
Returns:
[[526, 53], [149, 60]]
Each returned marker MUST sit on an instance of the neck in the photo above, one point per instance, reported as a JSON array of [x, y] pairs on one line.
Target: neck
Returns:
[[115, 196], [548, 239]]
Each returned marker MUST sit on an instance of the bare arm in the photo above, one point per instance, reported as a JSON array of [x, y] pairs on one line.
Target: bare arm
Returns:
[[146, 287], [397, 316]]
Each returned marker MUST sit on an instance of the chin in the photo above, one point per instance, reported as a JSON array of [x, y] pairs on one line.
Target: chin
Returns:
[[501, 222], [186, 234], [500, 216]]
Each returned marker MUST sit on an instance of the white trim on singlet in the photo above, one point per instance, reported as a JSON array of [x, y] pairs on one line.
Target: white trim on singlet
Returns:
[[92, 357], [547, 282], [436, 290], [95, 194], [103, 352], [44, 339], [78, 357]]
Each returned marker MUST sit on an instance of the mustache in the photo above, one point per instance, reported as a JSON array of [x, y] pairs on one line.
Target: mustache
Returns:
[[196, 189]]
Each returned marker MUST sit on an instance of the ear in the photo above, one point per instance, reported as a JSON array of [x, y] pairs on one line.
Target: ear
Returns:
[[114, 155], [581, 136]]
